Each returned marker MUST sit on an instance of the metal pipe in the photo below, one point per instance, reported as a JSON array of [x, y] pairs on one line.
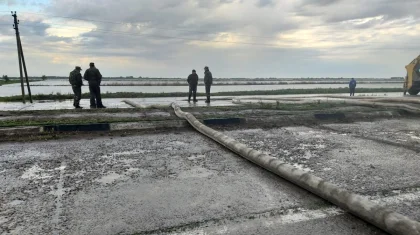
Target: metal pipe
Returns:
[[365, 209]]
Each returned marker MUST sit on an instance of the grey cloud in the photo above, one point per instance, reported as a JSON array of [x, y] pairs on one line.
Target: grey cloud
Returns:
[[319, 2], [390, 11], [265, 3], [226, 1], [8, 2], [202, 19], [333, 11], [184, 21], [27, 27]]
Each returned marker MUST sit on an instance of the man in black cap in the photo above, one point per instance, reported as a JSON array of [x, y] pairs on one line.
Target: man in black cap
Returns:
[[208, 80], [94, 77], [193, 81], [76, 82]]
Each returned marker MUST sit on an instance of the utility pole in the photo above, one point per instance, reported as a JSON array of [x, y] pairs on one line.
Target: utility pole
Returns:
[[26, 72], [15, 26], [21, 60]]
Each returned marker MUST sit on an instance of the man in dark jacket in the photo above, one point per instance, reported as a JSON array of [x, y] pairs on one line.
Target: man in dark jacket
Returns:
[[94, 77], [76, 82], [192, 82], [208, 80], [352, 86]]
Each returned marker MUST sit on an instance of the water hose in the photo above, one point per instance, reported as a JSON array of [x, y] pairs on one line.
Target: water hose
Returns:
[[314, 100], [382, 217]]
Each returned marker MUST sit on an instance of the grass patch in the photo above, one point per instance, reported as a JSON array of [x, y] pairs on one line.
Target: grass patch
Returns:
[[59, 96], [14, 82]]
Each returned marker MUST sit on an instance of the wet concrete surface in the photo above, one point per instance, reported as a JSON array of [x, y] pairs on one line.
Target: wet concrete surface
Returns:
[[405, 132], [183, 183], [182, 102], [109, 103], [367, 166]]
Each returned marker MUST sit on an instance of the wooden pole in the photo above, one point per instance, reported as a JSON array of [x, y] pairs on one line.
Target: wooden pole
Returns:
[[26, 73], [16, 27]]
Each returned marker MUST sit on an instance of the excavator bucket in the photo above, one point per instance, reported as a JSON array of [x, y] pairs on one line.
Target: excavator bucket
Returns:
[[412, 80]]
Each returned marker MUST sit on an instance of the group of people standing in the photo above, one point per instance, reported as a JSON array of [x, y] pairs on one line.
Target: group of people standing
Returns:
[[94, 78], [193, 82]]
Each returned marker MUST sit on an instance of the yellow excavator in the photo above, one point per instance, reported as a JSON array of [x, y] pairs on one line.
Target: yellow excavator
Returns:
[[412, 80]]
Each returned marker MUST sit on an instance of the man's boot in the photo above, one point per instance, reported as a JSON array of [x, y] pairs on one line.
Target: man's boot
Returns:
[[76, 105], [100, 106], [208, 99]]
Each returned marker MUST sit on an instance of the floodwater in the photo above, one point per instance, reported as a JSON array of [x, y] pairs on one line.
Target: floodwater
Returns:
[[148, 102], [110, 82], [58, 87]]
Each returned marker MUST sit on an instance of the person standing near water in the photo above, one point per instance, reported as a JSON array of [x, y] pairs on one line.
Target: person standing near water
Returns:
[[76, 83], [208, 80], [94, 77], [352, 86], [192, 82]]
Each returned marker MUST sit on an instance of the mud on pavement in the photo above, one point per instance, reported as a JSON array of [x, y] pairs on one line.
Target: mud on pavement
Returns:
[[179, 182]]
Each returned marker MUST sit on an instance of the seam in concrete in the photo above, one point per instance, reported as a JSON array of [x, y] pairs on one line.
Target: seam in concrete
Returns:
[[271, 217], [58, 204], [381, 141]]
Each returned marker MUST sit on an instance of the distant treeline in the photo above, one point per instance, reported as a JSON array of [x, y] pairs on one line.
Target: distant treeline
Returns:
[[228, 79]]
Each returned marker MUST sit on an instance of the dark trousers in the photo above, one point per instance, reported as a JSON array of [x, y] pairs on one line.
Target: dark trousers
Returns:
[[193, 92], [352, 90], [77, 91], [208, 86], [95, 95]]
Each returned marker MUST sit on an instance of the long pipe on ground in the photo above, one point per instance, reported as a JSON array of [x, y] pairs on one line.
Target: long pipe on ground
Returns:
[[365, 209], [413, 100], [137, 105], [405, 107]]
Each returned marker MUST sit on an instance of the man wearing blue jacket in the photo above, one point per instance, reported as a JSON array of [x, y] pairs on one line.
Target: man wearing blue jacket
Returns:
[[352, 86]]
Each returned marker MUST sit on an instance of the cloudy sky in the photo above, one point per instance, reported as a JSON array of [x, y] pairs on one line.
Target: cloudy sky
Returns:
[[235, 38]]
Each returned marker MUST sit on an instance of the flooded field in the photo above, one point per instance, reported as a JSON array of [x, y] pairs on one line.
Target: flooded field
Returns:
[[61, 86]]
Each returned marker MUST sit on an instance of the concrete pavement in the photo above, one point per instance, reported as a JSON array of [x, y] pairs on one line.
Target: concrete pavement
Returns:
[[182, 183], [181, 101]]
